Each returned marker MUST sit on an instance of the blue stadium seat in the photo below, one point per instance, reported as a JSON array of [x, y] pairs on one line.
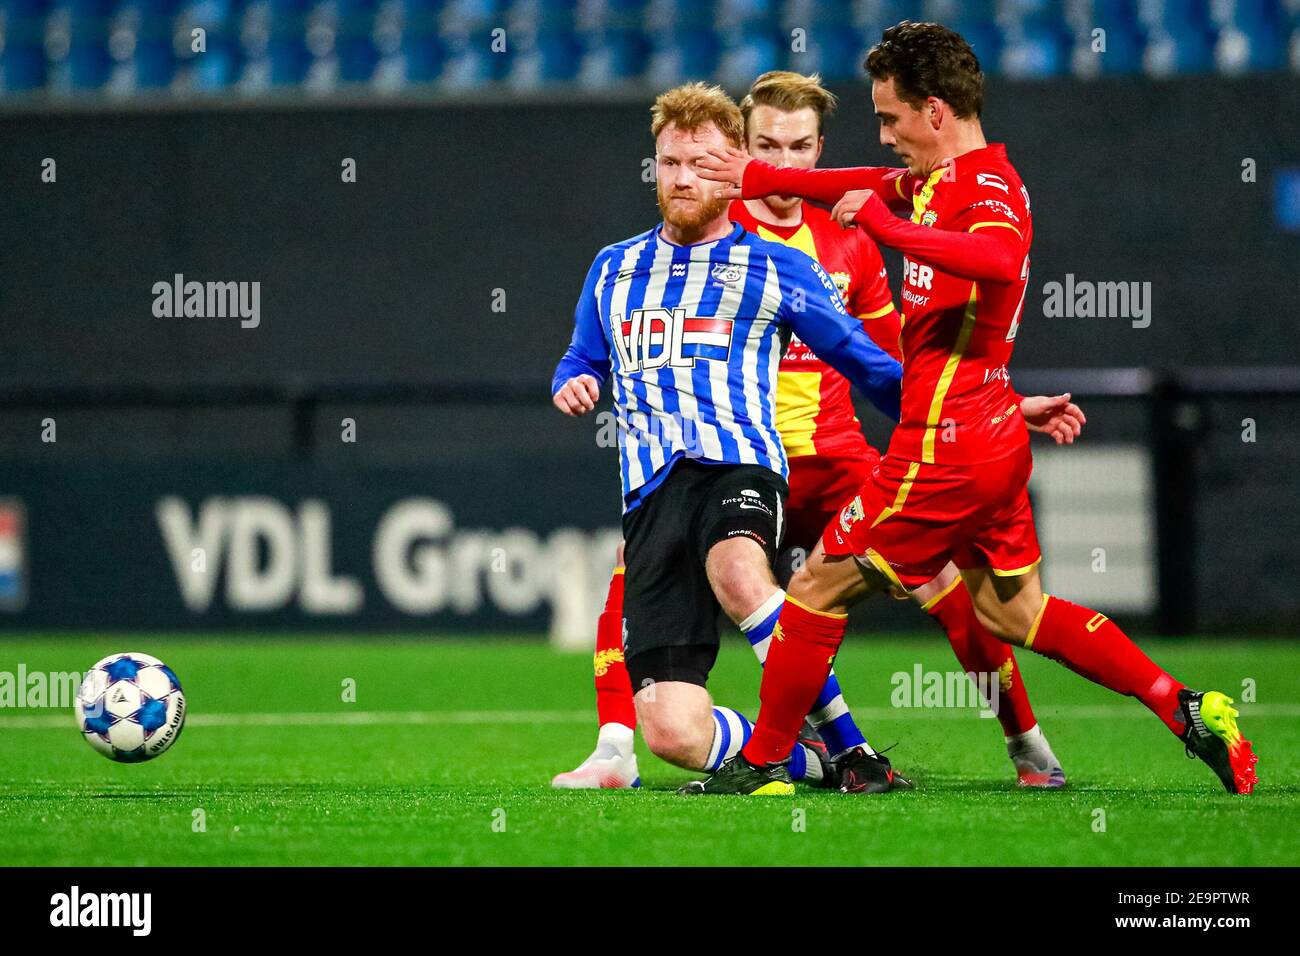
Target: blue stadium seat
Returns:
[[23, 66], [541, 16], [463, 18], [217, 68], [747, 52], [408, 42], [1124, 39], [746, 16], [676, 57], [274, 42], [592, 17], [613, 57], [76, 42], [548, 56], [1252, 35], [836, 53], [140, 44], [668, 16], [471, 61], [339, 35], [1038, 46], [354, 43], [1183, 48], [810, 14]]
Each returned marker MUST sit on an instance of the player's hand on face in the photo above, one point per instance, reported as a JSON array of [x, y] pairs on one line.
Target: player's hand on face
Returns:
[[1053, 415], [724, 165], [578, 395], [846, 210]]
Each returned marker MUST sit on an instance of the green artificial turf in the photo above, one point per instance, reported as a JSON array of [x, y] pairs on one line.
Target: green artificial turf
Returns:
[[445, 757]]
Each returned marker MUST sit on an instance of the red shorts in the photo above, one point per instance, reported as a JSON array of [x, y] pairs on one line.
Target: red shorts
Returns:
[[819, 487], [909, 520]]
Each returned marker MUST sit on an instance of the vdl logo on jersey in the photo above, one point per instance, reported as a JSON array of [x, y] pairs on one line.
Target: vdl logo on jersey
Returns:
[[653, 338]]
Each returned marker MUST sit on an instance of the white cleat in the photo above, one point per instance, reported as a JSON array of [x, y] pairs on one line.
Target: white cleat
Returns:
[[603, 770], [1036, 765]]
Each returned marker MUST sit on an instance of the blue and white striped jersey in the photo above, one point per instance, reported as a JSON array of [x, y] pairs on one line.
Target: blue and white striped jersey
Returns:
[[693, 336]]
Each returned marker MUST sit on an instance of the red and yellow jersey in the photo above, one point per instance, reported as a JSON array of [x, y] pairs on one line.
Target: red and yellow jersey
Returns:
[[958, 405], [814, 410]]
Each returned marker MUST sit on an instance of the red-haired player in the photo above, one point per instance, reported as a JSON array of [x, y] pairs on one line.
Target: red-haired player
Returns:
[[829, 460]]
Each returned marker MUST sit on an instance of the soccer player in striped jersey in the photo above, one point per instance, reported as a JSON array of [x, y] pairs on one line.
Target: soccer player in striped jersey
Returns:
[[829, 459], [613, 764], [689, 321], [953, 484]]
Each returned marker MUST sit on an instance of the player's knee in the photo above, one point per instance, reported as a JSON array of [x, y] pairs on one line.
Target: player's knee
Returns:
[[672, 740], [740, 585]]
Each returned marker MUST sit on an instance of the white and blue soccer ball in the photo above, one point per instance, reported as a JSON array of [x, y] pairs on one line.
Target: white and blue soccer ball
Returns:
[[130, 707]]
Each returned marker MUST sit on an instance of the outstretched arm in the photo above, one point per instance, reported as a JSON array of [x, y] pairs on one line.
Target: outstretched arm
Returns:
[[753, 179], [813, 309], [993, 254]]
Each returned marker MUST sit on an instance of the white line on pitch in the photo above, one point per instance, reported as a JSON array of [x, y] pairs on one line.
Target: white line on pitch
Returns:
[[1131, 710]]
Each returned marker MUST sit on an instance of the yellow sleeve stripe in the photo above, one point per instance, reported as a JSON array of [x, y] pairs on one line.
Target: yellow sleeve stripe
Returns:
[[620, 569], [898, 187], [1006, 225], [884, 310]]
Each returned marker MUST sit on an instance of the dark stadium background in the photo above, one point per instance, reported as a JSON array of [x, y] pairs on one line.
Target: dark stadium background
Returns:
[[429, 300]]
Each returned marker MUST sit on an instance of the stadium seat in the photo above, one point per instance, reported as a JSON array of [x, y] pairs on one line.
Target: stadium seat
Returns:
[[612, 57], [676, 57], [23, 64], [1252, 35], [339, 36], [471, 62], [1123, 42], [745, 53], [834, 52], [218, 67], [591, 17], [140, 44], [549, 56], [408, 44], [274, 41], [1037, 46], [76, 42]]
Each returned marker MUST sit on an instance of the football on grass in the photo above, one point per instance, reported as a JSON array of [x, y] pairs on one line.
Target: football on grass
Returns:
[[130, 707]]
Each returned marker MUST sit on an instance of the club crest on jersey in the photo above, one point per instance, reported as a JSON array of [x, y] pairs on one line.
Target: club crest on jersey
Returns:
[[653, 338], [929, 218], [841, 280], [851, 514], [728, 273]]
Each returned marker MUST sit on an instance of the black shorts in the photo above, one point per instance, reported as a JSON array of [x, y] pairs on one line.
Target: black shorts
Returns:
[[667, 600]]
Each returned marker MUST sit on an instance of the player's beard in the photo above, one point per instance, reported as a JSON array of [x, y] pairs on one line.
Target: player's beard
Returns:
[[705, 211]]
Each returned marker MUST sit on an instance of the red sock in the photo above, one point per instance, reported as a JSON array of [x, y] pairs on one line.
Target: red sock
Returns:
[[1092, 646], [979, 652], [799, 659], [613, 686]]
